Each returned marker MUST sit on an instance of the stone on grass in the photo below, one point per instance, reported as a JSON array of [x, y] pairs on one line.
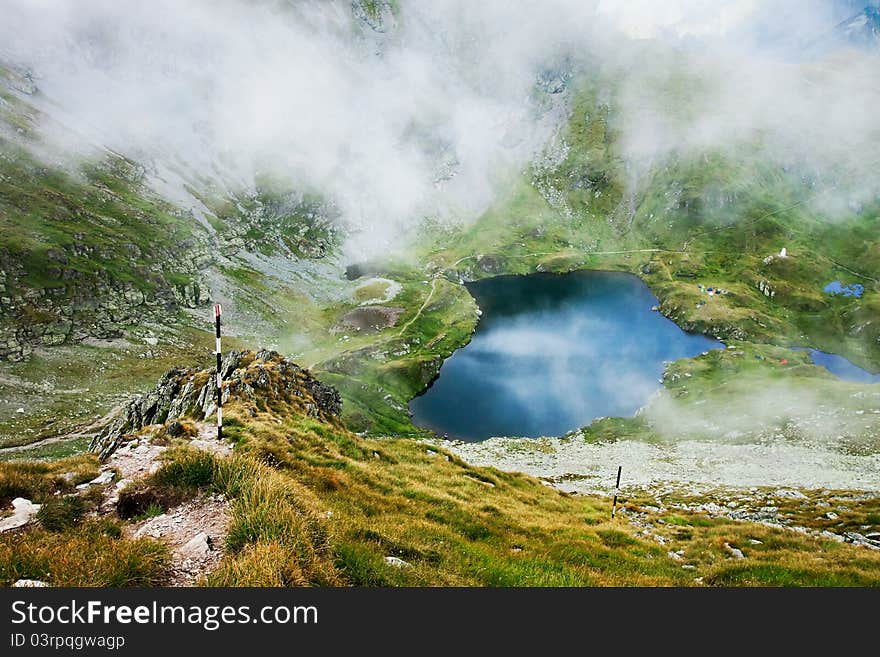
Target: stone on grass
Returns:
[[790, 494], [397, 563], [23, 511], [736, 553]]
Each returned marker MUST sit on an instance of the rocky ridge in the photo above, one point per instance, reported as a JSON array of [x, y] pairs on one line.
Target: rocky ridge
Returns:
[[250, 378]]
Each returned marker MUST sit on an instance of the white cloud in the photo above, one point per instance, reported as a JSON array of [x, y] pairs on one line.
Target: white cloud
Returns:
[[427, 117]]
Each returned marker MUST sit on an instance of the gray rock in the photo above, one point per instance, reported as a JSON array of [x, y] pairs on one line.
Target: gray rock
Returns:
[[832, 536], [174, 428], [183, 392], [23, 511], [197, 547], [397, 563], [790, 494], [736, 553], [153, 527], [28, 584], [104, 478], [858, 539]]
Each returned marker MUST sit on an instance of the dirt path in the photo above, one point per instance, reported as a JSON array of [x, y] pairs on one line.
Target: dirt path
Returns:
[[422, 307], [195, 531], [12, 449], [85, 431]]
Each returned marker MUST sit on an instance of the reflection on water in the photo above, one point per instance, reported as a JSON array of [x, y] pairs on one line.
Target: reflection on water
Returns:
[[551, 353]]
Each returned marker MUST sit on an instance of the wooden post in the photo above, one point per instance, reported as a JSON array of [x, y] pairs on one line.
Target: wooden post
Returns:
[[218, 310], [616, 491]]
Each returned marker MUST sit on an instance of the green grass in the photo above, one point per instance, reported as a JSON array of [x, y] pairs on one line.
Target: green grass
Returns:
[[780, 575], [66, 388], [104, 213], [313, 504], [60, 514], [710, 218], [330, 508], [92, 553], [374, 290], [39, 481], [192, 469], [184, 474], [152, 511]]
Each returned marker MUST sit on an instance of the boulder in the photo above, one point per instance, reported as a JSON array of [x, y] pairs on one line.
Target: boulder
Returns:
[[397, 563], [104, 478], [736, 553], [197, 547], [787, 493], [23, 511], [858, 539]]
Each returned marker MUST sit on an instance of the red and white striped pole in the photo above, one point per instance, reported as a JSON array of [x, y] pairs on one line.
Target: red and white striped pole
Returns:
[[218, 310]]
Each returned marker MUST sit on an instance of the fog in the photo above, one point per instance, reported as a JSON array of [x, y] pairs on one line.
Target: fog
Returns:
[[773, 411], [428, 111], [423, 118]]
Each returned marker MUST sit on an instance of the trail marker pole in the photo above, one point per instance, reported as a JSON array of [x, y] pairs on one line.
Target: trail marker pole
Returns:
[[616, 491], [218, 310]]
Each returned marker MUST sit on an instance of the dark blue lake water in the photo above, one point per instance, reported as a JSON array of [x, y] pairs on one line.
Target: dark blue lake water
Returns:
[[842, 368], [551, 353]]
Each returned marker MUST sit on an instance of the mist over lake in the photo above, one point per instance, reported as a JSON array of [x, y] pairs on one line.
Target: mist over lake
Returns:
[[551, 353]]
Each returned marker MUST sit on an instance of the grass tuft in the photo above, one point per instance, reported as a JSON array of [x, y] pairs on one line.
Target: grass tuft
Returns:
[[91, 554], [59, 514]]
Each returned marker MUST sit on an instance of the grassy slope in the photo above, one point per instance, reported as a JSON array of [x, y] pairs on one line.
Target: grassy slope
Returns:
[[313, 504], [73, 240], [461, 525], [710, 219], [65, 388], [102, 223], [434, 513]]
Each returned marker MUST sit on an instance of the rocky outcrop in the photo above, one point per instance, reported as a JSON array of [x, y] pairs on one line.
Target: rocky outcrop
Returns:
[[78, 304], [291, 225], [377, 15], [765, 289], [250, 378]]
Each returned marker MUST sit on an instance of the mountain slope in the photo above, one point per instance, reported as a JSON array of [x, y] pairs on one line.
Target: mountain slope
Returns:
[[311, 503]]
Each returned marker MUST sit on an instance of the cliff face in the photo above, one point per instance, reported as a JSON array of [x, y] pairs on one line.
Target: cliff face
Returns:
[[255, 380]]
